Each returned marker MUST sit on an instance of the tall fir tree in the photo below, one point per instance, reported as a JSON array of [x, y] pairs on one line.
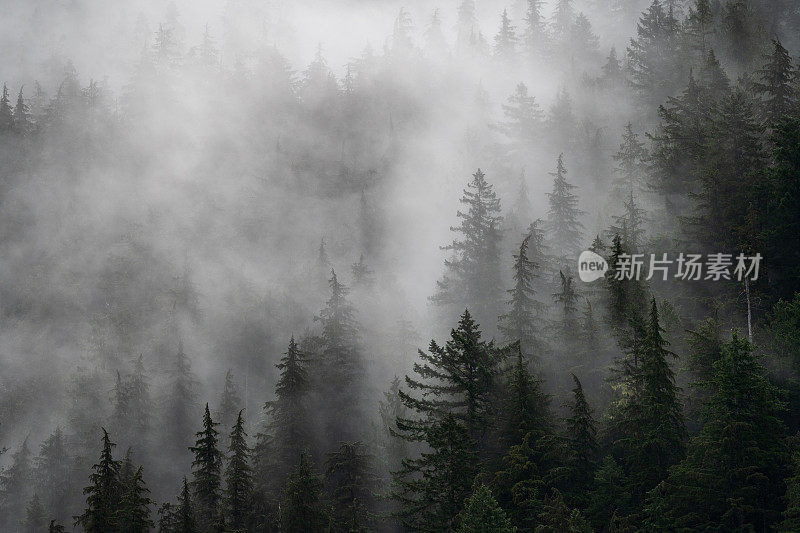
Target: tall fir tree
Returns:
[[519, 323], [104, 493], [473, 278], [482, 513], [451, 416], [206, 473], [733, 467], [350, 473], [777, 85], [563, 224], [133, 514], [35, 520], [6, 113], [303, 509], [231, 402], [238, 479], [505, 42], [582, 443], [630, 164]]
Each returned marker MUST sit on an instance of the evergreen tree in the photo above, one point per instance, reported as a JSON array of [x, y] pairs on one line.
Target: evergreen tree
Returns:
[[561, 122], [525, 406], [362, 274], [22, 118], [133, 514], [473, 277], [652, 61], [563, 225], [55, 527], [456, 384], [584, 41], [15, 484], [630, 225], [732, 162], [630, 163], [714, 79], [791, 516], [505, 42], [733, 468], [535, 34], [481, 513], [303, 508], [351, 476], [557, 517], [435, 42], [343, 364], [610, 497], [567, 298], [104, 494], [178, 518], [238, 478], [518, 324], [563, 18], [582, 443], [288, 429], [34, 516], [652, 432], [523, 118], [231, 403], [181, 403], [777, 85], [6, 114], [613, 73], [206, 469], [52, 474], [390, 408]]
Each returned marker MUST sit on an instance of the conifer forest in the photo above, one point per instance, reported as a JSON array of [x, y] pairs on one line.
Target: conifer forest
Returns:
[[399, 265]]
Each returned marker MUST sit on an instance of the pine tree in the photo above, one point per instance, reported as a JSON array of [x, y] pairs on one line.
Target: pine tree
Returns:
[[181, 403], [610, 497], [481, 513], [567, 299], [22, 118], [6, 114], [584, 41], [535, 34], [394, 449], [178, 518], [679, 146], [55, 527], [34, 516], [15, 483], [733, 468], [473, 277], [563, 225], [652, 61], [777, 85], [526, 408], [582, 443], [362, 274], [52, 474], [435, 42], [732, 162], [523, 118], [505, 42], [303, 508], [288, 430], [630, 163], [791, 516], [343, 364], [231, 403], [561, 122], [557, 517], [630, 225], [455, 386], [563, 18], [206, 476], [103, 494], [238, 478], [713, 79], [133, 514], [613, 73], [653, 430], [518, 324], [350, 474]]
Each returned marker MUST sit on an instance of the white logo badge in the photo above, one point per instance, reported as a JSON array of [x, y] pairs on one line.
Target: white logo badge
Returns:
[[591, 266]]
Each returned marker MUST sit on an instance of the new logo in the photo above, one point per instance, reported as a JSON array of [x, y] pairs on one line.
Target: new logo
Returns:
[[591, 266]]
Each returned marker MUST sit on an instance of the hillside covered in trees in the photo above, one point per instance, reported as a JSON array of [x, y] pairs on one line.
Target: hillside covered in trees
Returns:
[[314, 266]]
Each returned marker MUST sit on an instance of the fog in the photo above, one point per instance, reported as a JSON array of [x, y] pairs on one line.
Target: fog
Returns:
[[181, 190]]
